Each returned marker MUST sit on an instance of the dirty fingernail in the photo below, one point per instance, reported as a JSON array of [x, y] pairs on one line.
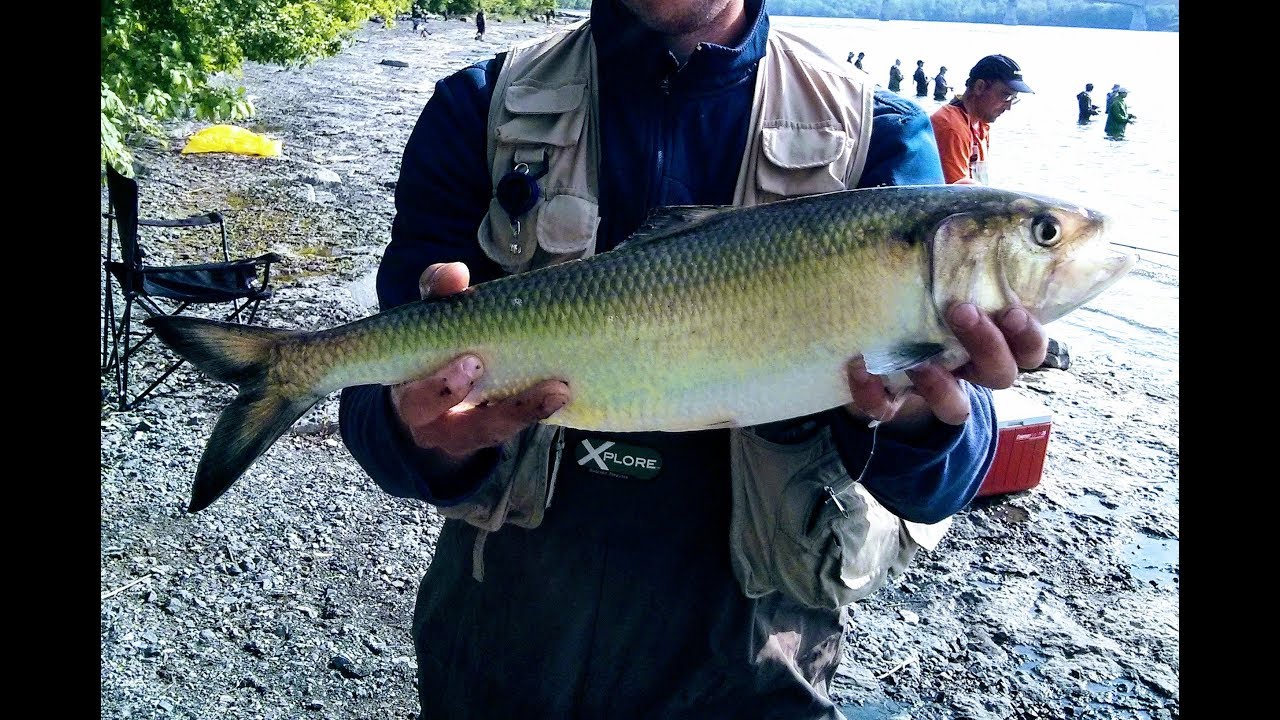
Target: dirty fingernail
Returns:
[[1014, 320], [858, 371], [552, 403], [472, 367], [964, 316], [429, 280]]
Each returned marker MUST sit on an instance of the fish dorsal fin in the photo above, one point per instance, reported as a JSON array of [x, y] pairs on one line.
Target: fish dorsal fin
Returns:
[[665, 221], [883, 361]]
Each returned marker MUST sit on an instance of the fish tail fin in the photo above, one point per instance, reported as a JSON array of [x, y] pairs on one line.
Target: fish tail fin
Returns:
[[246, 428], [262, 411], [228, 352]]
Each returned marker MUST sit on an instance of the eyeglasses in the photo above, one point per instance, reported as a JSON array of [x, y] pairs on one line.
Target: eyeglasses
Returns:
[[1007, 96]]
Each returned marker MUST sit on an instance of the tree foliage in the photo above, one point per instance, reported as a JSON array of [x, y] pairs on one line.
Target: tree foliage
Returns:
[[163, 59], [447, 8], [511, 8]]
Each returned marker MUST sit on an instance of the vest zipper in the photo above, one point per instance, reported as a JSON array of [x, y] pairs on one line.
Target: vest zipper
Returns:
[[663, 142]]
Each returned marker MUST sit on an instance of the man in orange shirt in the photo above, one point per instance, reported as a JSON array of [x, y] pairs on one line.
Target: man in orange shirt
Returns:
[[962, 126]]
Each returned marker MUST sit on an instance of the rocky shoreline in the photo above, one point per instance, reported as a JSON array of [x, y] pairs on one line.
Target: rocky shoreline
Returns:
[[292, 596]]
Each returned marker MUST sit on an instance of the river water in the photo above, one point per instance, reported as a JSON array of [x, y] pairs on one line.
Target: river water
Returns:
[[1038, 146]]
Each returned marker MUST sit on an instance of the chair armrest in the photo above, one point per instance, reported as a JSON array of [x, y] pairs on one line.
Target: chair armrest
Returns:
[[261, 260]]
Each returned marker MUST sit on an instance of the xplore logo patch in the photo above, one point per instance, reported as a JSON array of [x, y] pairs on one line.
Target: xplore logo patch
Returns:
[[606, 457]]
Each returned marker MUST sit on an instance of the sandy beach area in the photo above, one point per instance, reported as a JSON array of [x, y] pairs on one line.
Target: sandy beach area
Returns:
[[292, 596]]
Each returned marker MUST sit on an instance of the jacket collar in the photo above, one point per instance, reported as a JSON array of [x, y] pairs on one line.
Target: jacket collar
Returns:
[[626, 49]]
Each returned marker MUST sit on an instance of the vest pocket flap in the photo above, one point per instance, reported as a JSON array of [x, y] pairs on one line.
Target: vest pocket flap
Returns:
[[806, 511], [531, 99], [793, 147], [499, 242], [567, 224], [802, 160], [549, 116]]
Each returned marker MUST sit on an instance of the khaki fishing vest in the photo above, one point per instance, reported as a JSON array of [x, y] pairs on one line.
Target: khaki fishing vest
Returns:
[[809, 130]]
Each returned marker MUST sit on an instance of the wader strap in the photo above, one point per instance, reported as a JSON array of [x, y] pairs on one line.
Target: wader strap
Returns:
[[477, 555]]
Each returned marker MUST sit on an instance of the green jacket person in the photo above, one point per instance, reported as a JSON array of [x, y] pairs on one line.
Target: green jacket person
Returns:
[[1118, 115]]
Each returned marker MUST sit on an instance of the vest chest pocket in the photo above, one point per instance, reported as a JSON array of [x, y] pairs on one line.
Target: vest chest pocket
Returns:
[[802, 158], [543, 123], [544, 115]]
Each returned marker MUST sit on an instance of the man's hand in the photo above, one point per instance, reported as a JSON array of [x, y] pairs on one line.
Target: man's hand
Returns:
[[427, 408], [996, 352]]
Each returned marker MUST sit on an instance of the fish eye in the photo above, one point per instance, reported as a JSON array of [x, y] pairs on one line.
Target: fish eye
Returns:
[[1046, 231]]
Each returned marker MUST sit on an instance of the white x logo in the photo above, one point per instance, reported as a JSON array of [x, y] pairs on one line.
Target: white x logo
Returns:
[[593, 453]]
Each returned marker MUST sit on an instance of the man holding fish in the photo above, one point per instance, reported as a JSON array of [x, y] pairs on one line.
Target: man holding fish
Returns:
[[668, 465], [622, 601]]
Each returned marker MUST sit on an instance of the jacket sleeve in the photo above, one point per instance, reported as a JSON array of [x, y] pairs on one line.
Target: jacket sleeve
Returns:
[[441, 196], [938, 472], [903, 150]]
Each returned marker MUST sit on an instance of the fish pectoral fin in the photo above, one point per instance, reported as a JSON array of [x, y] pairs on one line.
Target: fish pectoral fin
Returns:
[[900, 357]]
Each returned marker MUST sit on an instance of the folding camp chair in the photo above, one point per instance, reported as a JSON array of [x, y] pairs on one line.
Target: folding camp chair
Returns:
[[166, 290]]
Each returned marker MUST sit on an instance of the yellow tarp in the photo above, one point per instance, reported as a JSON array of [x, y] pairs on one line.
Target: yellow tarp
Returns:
[[231, 139]]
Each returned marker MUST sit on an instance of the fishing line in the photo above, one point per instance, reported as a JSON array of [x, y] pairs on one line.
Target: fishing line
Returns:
[[1146, 249], [833, 495], [875, 431]]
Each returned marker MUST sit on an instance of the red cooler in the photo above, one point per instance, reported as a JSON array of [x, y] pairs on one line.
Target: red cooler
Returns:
[[1024, 439]]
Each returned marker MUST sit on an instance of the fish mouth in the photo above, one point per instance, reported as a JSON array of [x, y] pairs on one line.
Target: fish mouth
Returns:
[[1095, 274]]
